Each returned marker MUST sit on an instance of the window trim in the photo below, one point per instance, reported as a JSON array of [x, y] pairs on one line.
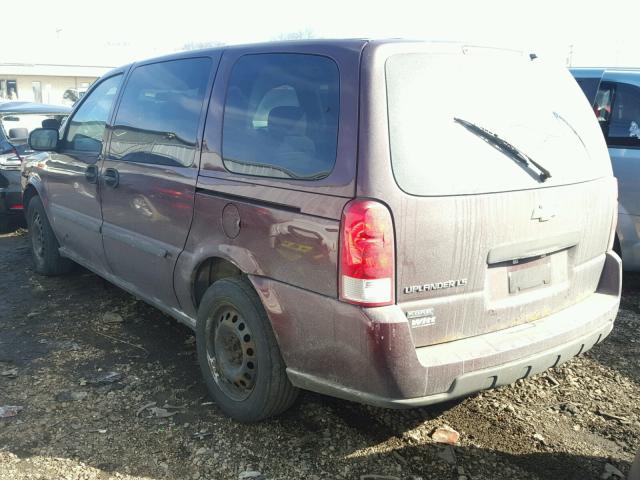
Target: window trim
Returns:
[[338, 116]]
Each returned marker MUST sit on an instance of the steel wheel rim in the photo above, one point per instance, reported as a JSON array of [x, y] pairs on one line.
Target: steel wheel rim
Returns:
[[231, 353], [37, 236]]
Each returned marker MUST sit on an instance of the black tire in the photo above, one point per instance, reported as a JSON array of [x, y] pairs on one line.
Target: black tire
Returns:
[[5, 224], [44, 245], [239, 358]]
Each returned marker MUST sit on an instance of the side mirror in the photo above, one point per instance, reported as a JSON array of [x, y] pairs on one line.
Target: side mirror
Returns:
[[43, 139]]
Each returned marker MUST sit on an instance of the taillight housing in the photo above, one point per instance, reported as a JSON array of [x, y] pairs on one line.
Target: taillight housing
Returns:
[[367, 265], [614, 221]]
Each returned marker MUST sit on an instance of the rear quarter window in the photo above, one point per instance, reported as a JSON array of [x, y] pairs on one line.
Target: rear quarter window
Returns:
[[281, 116], [590, 87], [618, 109]]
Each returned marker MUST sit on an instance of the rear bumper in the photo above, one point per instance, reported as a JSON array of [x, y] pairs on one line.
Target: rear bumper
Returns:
[[370, 357], [441, 361]]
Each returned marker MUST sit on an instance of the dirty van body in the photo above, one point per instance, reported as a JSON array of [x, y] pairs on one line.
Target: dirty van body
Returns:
[[395, 223]]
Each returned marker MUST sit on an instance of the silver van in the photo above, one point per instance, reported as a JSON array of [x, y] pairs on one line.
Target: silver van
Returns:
[[615, 97]]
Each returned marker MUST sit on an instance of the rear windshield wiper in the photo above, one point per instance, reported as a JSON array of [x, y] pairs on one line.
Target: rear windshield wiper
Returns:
[[505, 147]]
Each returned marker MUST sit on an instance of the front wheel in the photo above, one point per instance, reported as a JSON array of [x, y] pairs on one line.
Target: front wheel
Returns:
[[44, 245], [238, 353]]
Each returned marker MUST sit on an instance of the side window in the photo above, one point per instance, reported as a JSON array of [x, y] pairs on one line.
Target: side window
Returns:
[[157, 120], [623, 122], [602, 106], [281, 116], [86, 127], [590, 87]]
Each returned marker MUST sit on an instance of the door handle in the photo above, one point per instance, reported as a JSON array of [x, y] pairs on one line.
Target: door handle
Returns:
[[91, 174], [111, 177]]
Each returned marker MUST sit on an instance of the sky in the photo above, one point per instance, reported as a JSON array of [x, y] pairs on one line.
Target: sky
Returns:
[[114, 32]]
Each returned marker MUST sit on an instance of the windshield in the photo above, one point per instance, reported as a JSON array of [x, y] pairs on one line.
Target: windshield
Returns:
[[540, 113]]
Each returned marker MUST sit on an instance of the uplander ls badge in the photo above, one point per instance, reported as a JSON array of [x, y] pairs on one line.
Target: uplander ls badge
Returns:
[[427, 287]]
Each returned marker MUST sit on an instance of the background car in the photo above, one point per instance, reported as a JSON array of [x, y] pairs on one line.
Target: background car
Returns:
[[17, 119], [615, 97]]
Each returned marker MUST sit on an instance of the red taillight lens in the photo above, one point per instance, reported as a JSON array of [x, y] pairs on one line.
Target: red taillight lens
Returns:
[[17, 206], [367, 258]]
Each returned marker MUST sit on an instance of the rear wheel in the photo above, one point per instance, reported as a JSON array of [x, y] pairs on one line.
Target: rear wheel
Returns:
[[44, 245], [238, 353]]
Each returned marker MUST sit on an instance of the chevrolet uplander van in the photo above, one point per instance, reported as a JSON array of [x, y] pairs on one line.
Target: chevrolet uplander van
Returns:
[[395, 223]]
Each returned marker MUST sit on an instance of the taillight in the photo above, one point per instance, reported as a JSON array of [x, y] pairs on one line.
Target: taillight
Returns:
[[367, 257], [614, 221]]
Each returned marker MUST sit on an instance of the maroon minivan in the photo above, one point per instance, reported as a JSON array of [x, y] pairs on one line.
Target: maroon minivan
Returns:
[[391, 222]]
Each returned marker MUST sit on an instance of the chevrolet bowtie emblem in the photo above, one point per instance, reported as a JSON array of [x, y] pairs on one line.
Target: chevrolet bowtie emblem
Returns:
[[542, 214]]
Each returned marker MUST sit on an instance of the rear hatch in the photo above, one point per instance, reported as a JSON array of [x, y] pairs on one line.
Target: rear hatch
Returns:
[[503, 199]]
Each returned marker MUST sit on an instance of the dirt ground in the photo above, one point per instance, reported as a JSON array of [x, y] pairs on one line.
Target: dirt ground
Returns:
[[109, 388]]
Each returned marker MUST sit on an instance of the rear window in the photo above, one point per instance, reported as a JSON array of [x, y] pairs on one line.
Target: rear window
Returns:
[[281, 116], [537, 109]]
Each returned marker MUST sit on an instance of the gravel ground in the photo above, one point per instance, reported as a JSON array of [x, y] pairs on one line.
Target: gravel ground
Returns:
[[110, 388]]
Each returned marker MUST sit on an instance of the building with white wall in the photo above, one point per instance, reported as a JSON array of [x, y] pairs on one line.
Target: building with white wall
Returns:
[[46, 83]]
